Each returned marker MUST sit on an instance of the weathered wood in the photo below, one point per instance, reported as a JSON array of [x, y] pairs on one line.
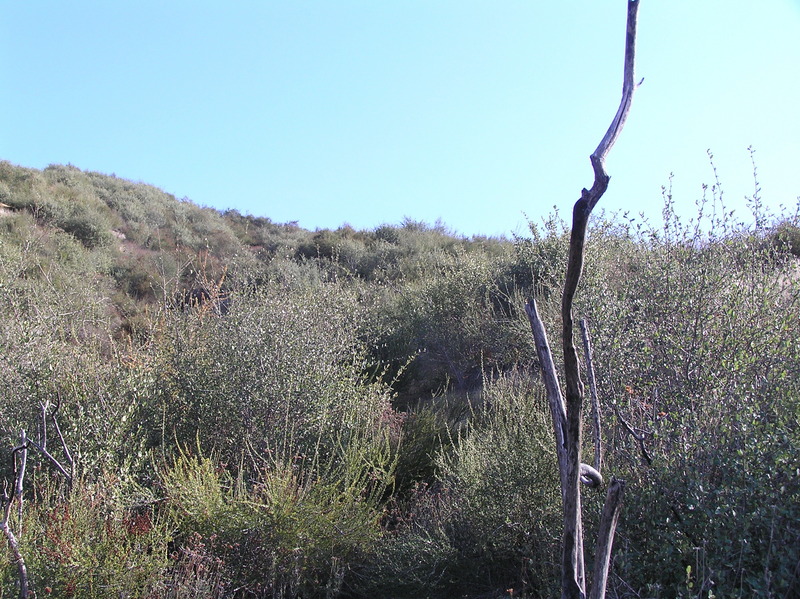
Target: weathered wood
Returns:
[[572, 539], [20, 479], [591, 477], [56, 464], [605, 538], [587, 357], [5, 526], [587, 474], [69, 474], [13, 544], [552, 387], [640, 437]]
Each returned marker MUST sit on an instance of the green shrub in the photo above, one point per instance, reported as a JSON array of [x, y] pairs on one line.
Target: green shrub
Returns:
[[694, 337], [455, 324], [541, 260], [88, 542], [87, 226], [281, 372], [425, 428], [290, 532], [492, 521], [786, 237]]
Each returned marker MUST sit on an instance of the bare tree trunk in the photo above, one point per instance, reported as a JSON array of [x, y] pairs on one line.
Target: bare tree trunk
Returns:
[[22, 571], [567, 412]]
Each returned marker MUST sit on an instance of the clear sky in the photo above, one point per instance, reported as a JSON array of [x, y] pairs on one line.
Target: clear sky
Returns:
[[364, 112]]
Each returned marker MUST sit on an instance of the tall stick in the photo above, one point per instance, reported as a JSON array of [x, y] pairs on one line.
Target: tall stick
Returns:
[[568, 423]]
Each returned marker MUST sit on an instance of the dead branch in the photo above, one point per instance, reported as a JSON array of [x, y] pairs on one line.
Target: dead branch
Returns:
[[20, 472], [549, 375], [640, 437], [587, 354], [41, 445], [56, 464], [64, 446], [13, 542], [605, 537], [591, 477]]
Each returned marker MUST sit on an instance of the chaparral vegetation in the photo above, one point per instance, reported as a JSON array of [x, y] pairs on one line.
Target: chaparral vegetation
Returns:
[[204, 404]]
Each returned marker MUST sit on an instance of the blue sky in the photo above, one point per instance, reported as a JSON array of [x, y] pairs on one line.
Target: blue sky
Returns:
[[368, 111]]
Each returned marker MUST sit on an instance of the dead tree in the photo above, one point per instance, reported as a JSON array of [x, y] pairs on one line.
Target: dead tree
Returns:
[[567, 412], [19, 458]]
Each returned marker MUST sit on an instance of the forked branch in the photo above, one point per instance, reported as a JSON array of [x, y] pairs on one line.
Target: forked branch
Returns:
[[18, 465]]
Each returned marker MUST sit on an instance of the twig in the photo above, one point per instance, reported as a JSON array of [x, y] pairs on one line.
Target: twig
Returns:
[[64, 446], [632, 432], [52, 459], [43, 425], [20, 474]]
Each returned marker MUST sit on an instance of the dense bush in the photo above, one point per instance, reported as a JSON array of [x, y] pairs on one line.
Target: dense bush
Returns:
[[455, 325], [90, 542], [697, 346], [490, 524], [290, 531], [282, 372]]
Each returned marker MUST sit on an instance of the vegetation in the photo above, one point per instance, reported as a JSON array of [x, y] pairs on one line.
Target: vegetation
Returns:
[[250, 409]]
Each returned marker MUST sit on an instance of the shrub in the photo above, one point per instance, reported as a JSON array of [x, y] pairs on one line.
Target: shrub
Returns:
[[281, 372], [290, 532], [87, 225], [491, 522], [456, 326], [786, 237], [88, 542], [695, 346]]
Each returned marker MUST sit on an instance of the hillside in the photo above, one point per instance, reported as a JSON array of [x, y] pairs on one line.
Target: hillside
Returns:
[[143, 250], [224, 406]]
